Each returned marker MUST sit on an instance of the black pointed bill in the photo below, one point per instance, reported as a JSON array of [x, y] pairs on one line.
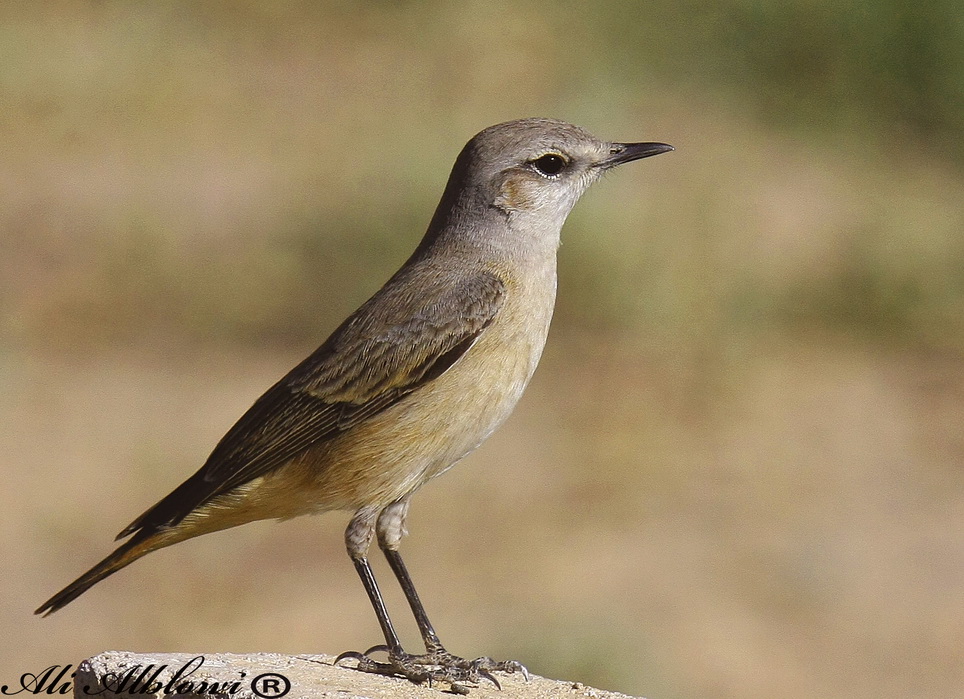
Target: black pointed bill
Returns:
[[620, 153]]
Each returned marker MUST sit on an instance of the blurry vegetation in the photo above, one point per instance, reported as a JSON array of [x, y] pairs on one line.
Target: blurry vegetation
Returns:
[[893, 69], [246, 164], [738, 469]]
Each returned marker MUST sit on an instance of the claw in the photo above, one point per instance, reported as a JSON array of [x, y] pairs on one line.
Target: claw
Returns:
[[353, 654], [437, 665], [488, 675], [511, 666]]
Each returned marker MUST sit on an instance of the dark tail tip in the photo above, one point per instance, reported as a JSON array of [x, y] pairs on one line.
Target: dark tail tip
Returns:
[[65, 596], [57, 601], [75, 589], [124, 555]]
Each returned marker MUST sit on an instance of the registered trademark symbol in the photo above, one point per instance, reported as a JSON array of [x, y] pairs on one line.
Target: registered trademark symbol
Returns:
[[270, 685]]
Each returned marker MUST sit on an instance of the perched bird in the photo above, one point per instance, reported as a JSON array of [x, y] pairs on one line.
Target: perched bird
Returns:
[[409, 384]]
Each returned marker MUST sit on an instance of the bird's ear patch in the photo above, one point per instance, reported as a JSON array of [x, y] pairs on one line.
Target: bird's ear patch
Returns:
[[514, 193]]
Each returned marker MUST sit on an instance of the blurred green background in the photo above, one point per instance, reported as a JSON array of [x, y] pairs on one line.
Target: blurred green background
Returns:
[[738, 471]]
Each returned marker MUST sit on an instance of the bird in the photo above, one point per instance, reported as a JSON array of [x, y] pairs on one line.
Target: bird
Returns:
[[409, 384]]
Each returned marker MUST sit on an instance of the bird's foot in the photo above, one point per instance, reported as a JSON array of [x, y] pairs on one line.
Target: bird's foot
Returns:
[[438, 665]]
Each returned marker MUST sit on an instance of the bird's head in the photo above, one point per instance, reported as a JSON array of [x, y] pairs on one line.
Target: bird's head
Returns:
[[542, 166]]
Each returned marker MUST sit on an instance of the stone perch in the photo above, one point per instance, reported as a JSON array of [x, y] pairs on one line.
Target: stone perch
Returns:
[[121, 674]]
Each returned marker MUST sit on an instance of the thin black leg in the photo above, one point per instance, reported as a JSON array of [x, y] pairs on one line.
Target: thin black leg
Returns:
[[378, 603], [437, 664], [432, 643], [436, 653]]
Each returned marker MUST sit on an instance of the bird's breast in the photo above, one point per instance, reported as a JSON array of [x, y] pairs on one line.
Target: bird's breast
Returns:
[[480, 390], [427, 432]]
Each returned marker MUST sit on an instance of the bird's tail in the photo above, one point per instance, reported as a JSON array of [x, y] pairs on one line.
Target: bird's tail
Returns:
[[124, 555]]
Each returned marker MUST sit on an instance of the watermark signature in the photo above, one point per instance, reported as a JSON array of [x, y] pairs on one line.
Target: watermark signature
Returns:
[[151, 679]]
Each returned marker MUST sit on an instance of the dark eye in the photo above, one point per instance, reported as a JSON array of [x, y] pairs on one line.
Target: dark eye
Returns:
[[549, 164]]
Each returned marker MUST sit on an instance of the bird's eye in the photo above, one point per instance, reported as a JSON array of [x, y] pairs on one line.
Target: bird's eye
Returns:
[[549, 165]]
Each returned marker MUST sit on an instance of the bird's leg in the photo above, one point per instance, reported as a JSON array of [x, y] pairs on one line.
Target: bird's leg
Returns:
[[415, 668], [436, 664], [390, 529], [358, 538]]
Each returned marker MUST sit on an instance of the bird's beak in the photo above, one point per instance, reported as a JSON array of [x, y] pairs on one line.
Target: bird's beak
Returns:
[[620, 153]]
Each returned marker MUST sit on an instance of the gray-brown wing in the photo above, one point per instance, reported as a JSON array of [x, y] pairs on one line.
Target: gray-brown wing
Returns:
[[387, 349]]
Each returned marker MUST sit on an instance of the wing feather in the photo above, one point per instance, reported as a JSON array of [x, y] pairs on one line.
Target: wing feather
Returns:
[[377, 357]]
